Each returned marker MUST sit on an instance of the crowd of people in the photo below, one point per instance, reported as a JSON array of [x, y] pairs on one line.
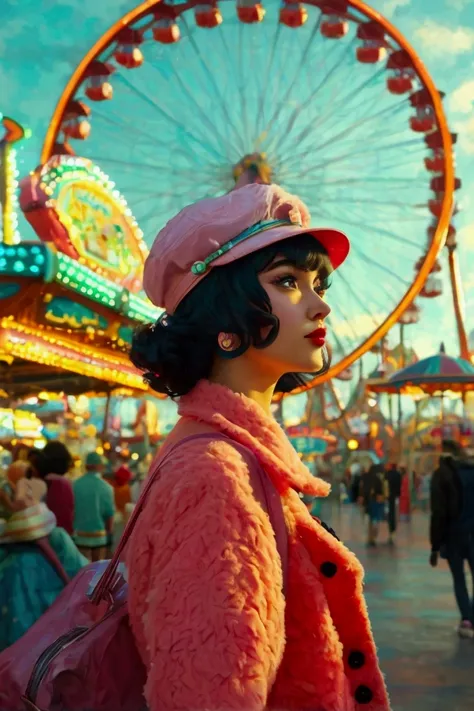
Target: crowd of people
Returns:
[[447, 495], [377, 489], [51, 525]]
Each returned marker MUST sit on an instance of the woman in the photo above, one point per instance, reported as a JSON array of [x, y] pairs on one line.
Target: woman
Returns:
[[36, 560], [243, 279], [51, 464]]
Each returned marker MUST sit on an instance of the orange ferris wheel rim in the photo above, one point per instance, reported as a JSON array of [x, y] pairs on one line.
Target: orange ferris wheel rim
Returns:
[[439, 237]]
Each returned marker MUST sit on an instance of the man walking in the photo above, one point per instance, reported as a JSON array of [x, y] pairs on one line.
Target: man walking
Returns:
[[373, 499], [452, 524], [393, 478], [94, 510]]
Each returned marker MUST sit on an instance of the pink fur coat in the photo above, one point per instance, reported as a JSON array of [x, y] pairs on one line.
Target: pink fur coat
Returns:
[[206, 601]]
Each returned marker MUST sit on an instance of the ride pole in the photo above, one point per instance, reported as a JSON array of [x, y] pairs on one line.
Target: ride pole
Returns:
[[400, 412], [458, 300]]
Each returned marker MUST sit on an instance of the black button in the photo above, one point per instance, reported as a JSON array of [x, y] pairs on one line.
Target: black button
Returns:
[[356, 660], [329, 570], [363, 695]]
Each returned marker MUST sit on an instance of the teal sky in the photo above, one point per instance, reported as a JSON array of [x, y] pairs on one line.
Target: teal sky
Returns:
[[41, 42]]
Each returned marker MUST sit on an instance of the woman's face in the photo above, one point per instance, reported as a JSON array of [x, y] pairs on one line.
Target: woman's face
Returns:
[[297, 299]]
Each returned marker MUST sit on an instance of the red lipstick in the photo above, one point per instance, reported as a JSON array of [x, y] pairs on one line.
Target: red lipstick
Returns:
[[318, 337]]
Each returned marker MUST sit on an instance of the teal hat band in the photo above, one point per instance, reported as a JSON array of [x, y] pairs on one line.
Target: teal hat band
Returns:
[[201, 267]]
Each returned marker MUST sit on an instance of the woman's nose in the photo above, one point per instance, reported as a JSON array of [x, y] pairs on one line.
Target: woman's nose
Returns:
[[319, 309]]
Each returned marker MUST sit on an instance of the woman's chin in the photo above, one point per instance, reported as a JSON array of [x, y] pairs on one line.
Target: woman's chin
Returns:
[[317, 362], [312, 366]]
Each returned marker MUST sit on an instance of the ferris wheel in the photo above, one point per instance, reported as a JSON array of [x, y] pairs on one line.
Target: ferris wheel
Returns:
[[178, 101]]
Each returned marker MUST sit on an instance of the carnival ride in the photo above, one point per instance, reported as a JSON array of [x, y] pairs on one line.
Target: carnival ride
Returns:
[[438, 377], [326, 98]]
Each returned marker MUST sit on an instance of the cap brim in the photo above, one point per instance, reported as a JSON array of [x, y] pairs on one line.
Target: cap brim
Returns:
[[335, 243]]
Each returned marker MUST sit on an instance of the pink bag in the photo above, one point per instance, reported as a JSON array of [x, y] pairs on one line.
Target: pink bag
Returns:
[[81, 654]]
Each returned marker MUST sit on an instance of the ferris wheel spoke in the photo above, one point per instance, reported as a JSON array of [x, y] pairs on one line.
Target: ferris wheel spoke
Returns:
[[287, 93], [381, 182], [171, 119], [231, 141], [213, 131], [152, 167], [330, 161], [241, 86], [245, 139], [357, 271], [352, 142], [379, 210], [342, 134], [172, 194], [315, 123], [343, 105], [347, 165], [130, 127], [357, 299], [244, 101], [280, 132], [265, 80], [371, 202], [381, 267], [376, 205], [284, 132], [210, 76], [363, 224]]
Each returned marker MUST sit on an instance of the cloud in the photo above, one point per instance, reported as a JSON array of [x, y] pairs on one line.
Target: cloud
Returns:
[[461, 99], [439, 41], [390, 7], [458, 4], [465, 239], [363, 325], [465, 129]]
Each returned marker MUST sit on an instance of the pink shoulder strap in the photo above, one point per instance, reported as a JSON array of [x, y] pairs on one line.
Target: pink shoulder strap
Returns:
[[47, 550], [264, 490]]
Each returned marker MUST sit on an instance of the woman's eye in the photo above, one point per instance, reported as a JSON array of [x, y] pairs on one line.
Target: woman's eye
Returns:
[[286, 281], [290, 282]]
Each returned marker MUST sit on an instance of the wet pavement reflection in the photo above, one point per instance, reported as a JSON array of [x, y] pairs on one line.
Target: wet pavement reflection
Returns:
[[413, 614]]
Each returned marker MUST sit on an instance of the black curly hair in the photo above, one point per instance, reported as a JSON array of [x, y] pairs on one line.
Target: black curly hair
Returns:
[[179, 350], [55, 458]]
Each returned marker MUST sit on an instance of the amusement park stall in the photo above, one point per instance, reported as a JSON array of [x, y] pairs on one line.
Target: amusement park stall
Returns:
[[68, 303]]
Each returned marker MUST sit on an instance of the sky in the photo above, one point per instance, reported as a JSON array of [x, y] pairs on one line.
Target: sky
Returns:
[[41, 42]]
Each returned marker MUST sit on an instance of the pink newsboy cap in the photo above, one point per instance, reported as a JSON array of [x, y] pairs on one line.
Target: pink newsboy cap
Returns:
[[217, 231]]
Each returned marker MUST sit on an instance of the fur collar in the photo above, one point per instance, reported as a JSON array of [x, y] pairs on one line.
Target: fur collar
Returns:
[[246, 422]]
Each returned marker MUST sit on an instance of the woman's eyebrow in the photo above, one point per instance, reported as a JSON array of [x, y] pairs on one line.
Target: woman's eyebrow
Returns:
[[283, 262]]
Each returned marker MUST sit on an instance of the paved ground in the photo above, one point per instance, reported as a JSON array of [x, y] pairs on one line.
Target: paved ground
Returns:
[[414, 616]]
